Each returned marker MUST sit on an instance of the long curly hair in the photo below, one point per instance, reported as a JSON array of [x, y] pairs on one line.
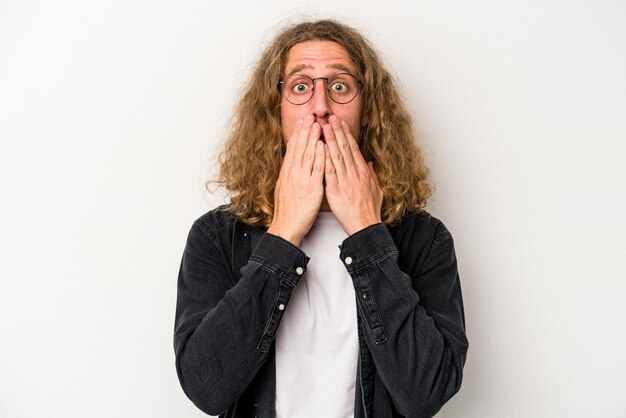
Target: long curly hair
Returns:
[[250, 162]]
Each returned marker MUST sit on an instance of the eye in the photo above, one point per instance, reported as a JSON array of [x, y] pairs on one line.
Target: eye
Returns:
[[339, 87], [300, 88]]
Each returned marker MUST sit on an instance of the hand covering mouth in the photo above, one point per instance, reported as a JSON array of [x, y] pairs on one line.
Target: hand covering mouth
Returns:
[[322, 131]]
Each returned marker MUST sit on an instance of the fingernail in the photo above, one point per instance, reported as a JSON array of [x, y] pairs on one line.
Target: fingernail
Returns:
[[309, 118], [299, 122], [332, 119]]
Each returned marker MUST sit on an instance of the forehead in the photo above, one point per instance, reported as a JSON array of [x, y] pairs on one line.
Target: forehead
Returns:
[[315, 56]]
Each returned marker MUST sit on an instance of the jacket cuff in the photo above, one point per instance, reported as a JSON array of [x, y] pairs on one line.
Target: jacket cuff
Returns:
[[280, 255], [366, 246]]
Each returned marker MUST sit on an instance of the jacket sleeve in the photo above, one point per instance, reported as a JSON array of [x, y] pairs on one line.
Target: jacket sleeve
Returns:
[[224, 325], [414, 324]]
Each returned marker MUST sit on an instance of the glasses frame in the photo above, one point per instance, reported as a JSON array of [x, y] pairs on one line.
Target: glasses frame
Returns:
[[281, 84]]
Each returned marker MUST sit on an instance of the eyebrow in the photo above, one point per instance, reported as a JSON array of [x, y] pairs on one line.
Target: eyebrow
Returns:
[[300, 67]]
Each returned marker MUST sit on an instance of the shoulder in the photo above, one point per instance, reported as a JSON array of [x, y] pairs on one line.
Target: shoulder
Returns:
[[422, 225], [421, 237], [217, 221]]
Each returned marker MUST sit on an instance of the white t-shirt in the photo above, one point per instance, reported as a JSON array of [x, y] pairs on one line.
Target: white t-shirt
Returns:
[[317, 340]]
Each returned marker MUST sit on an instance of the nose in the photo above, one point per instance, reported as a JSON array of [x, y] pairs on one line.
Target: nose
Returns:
[[320, 102]]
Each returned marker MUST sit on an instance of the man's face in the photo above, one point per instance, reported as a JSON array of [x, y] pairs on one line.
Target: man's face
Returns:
[[320, 59]]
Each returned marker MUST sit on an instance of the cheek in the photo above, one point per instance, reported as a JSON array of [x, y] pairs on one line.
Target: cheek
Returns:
[[356, 131], [284, 123], [287, 127], [355, 123], [288, 118]]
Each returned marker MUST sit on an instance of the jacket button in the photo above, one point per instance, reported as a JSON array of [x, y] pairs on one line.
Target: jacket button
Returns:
[[281, 307], [299, 270], [348, 260]]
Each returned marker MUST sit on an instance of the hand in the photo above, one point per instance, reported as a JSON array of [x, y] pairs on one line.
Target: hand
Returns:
[[299, 189], [352, 188]]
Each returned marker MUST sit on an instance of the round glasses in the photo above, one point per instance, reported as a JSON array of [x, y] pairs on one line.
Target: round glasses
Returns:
[[298, 89]]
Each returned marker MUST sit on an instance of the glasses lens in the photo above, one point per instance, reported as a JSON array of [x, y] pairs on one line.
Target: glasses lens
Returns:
[[298, 89], [342, 88]]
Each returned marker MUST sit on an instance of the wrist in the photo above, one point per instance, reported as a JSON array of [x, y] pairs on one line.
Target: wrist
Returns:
[[361, 226], [285, 234]]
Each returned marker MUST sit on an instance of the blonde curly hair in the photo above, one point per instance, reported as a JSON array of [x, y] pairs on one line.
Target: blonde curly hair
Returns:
[[253, 153]]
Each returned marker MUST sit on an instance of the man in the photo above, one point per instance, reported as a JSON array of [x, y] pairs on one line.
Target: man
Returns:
[[323, 289]]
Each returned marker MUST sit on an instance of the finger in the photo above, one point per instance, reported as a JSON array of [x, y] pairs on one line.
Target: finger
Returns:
[[320, 163], [330, 173], [357, 157], [334, 154], [370, 166], [289, 152], [342, 144], [374, 179], [308, 156], [302, 139]]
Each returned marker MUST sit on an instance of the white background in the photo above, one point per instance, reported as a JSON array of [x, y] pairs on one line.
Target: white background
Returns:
[[111, 113]]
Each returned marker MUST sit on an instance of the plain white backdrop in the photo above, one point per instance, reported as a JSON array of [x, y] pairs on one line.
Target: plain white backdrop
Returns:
[[111, 113]]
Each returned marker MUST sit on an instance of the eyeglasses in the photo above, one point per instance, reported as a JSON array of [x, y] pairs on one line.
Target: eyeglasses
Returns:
[[298, 89]]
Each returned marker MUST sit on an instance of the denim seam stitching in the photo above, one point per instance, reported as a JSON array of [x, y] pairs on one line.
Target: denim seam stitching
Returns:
[[269, 267], [376, 310], [269, 321], [441, 237], [377, 258]]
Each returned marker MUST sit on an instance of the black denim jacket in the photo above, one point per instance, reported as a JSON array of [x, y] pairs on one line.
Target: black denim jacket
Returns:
[[411, 325]]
